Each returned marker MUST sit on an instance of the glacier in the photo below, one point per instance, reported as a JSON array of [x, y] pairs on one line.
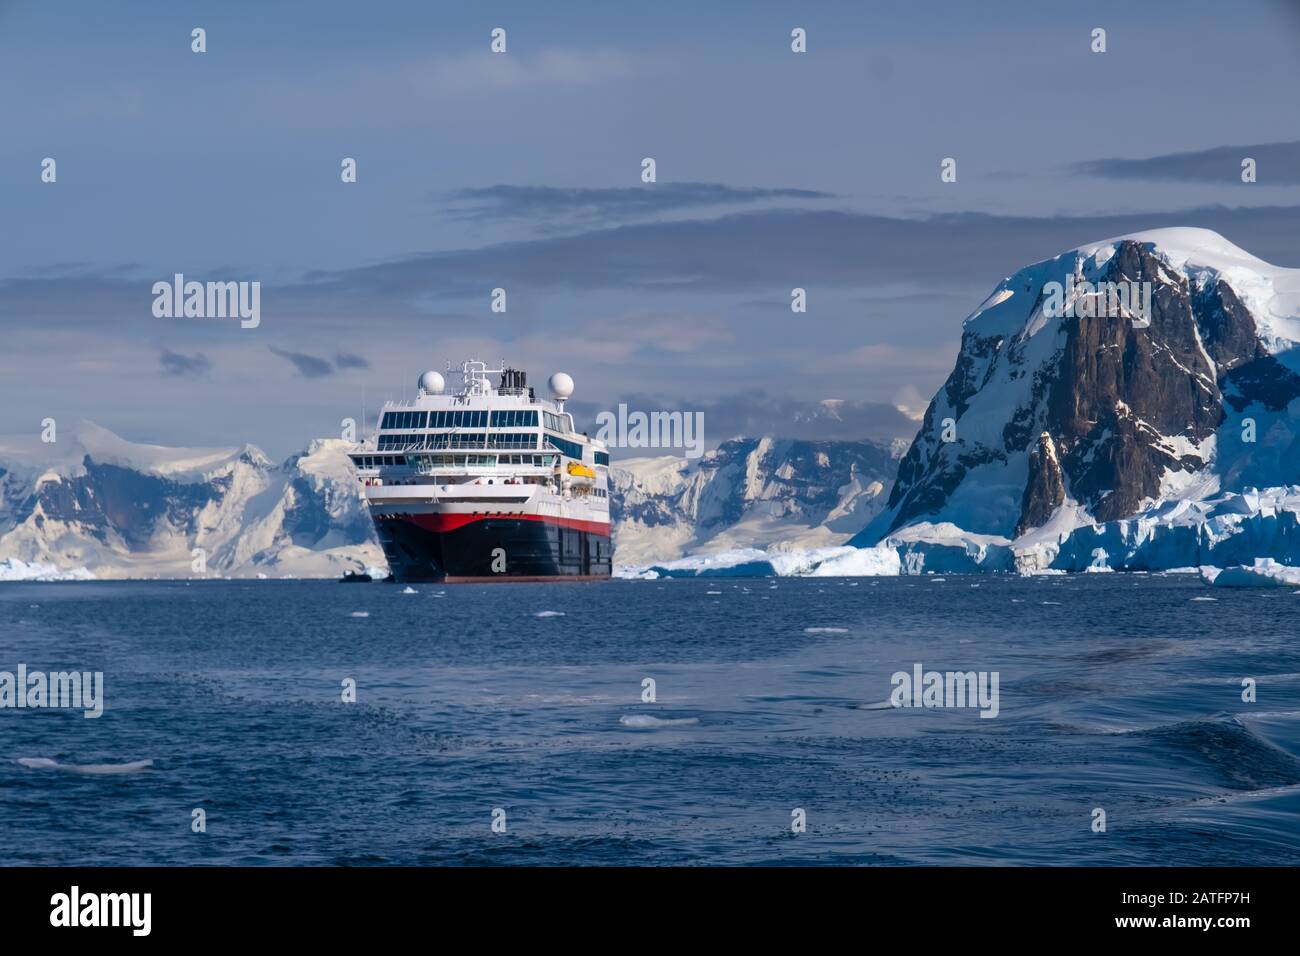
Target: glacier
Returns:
[[11, 569]]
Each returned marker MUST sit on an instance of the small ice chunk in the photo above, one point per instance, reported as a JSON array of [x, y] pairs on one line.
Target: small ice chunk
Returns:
[[646, 722]]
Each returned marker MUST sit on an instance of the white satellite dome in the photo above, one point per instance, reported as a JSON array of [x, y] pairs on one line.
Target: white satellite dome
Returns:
[[561, 385], [431, 383]]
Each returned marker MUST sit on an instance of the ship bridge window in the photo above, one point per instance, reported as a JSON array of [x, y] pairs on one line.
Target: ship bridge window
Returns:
[[456, 440], [602, 457], [570, 448], [512, 440], [459, 419], [556, 423], [398, 440], [429, 462], [515, 418], [404, 420]]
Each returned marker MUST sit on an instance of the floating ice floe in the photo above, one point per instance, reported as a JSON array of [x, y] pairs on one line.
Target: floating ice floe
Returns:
[[1264, 573], [878, 705], [90, 769], [12, 569], [646, 722], [750, 562]]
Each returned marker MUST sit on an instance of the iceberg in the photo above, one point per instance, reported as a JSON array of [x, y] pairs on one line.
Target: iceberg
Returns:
[[12, 569], [844, 561], [1264, 573]]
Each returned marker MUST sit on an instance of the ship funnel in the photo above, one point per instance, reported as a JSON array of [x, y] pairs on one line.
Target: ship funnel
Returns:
[[514, 379]]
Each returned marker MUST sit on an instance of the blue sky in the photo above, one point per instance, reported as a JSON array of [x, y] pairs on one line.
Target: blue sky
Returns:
[[522, 170]]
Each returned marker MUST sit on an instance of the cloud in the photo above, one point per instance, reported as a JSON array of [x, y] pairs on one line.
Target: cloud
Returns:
[[759, 254], [479, 74], [179, 365], [775, 416], [777, 249], [883, 354], [1278, 164], [308, 366], [348, 360], [544, 203]]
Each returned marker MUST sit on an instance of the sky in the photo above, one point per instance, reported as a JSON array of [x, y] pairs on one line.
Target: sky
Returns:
[[522, 170]]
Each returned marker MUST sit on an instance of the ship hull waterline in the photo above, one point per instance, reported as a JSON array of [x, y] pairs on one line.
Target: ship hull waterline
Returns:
[[465, 549]]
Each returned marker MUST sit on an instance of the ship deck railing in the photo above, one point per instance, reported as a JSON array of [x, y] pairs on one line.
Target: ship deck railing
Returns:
[[414, 404], [444, 443]]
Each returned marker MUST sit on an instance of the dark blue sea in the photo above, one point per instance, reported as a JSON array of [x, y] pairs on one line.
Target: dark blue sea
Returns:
[[1117, 692]]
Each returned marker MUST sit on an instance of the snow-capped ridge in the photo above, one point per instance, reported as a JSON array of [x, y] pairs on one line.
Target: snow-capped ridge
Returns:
[[750, 492], [124, 509]]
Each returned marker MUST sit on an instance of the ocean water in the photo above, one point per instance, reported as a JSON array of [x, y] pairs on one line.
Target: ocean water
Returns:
[[1118, 692]]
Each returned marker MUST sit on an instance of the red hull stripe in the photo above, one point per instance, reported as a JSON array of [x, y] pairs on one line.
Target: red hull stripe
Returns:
[[450, 522]]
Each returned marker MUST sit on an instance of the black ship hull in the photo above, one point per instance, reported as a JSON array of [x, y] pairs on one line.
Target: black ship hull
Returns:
[[467, 548]]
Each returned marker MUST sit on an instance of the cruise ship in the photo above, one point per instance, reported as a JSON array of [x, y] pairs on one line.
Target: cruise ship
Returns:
[[487, 483]]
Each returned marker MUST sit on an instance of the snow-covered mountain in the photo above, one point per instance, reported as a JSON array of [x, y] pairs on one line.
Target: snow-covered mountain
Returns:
[[94, 504], [748, 492], [1104, 438], [92, 501]]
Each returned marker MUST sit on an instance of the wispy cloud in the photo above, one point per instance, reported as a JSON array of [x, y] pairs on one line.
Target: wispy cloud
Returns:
[[1277, 163], [314, 366], [544, 203], [776, 416], [180, 365], [308, 366], [777, 249], [758, 254], [485, 73], [348, 360]]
